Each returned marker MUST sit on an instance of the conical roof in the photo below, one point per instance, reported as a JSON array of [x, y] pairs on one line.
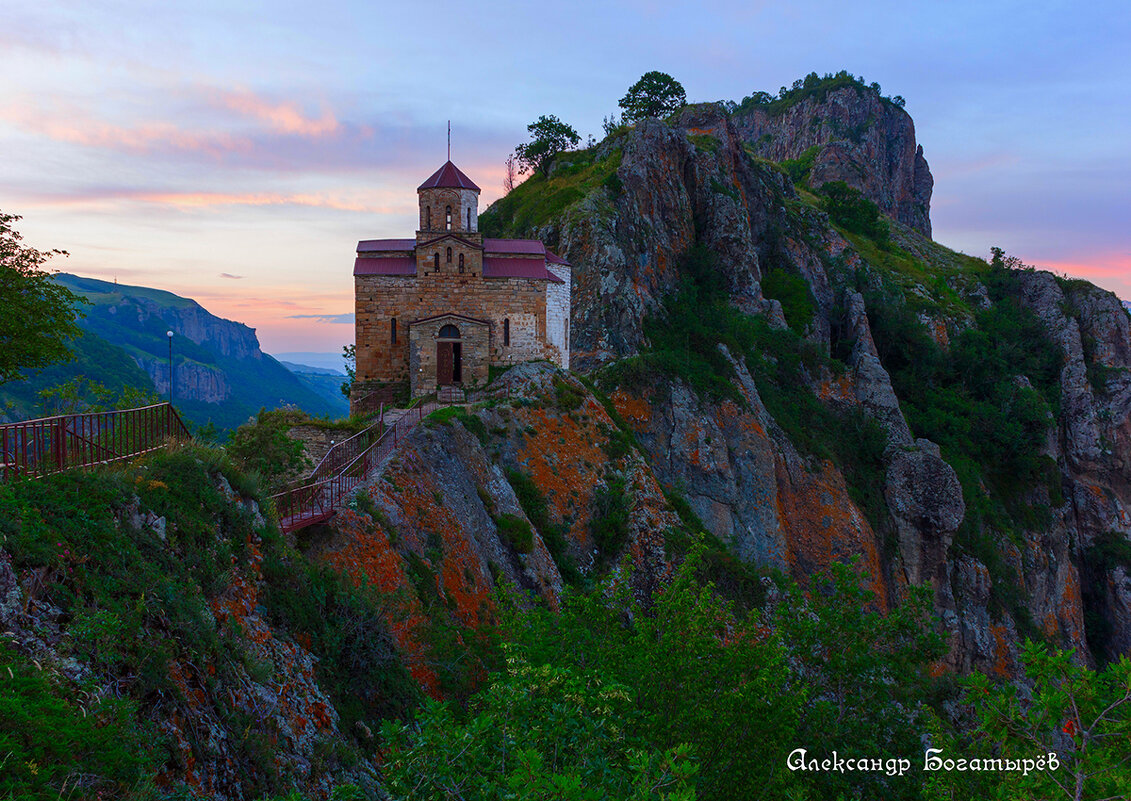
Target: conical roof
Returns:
[[448, 177]]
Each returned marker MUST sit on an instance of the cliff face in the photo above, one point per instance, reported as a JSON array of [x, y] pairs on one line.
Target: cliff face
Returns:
[[219, 372], [1041, 563], [857, 137]]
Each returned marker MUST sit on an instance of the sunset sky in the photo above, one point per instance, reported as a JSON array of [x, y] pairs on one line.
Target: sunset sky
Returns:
[[235, 152]]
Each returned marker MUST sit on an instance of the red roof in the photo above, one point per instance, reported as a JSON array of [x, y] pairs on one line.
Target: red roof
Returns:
[[371, 245], [388, 265], [509, 267], [448, 177], [528, 246], [554, 258]]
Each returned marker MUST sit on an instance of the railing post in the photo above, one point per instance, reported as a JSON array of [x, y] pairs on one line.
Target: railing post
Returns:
[[60, 438]]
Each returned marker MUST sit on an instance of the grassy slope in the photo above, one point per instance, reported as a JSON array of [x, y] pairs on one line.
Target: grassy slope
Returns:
[[133, 603]]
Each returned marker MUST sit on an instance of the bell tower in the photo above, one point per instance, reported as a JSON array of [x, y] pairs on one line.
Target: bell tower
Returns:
[[449, 202]]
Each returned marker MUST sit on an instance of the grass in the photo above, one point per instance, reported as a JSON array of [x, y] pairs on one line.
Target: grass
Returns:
[[538, 200]]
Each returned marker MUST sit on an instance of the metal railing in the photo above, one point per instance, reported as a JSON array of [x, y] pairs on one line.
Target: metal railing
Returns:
[[34, 448], [345, 466]]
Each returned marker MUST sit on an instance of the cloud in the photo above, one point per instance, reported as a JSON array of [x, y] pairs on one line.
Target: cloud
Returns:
[[229, 275], [364, 201], [283, 118], [342, 319]]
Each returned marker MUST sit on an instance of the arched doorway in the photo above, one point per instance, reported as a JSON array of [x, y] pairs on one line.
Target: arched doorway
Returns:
[[449, 356]]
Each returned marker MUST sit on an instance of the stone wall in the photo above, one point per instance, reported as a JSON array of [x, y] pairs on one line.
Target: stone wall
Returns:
[[437, 200], [557, 314], [380, 299], [422, 352]]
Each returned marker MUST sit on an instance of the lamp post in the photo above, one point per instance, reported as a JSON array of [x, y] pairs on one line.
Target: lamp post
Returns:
[[170, 335]]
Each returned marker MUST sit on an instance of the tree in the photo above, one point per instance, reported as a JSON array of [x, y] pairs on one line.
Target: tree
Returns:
[[549, 137], [508, 179], [1080, 716], [656, 94], [349, 355], [38, 318]]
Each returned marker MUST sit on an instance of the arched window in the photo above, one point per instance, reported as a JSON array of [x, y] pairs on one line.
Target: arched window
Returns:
[[436, 261], [449, 255], [461, 262], [393, 331], [507, 332], [427, 218], [449, 221], [449, 331]]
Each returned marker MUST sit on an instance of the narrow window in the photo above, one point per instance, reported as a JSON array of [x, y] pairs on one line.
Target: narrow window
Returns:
[[567, 332], [507, 332], [436, 261], [449, 221], [427, 218], [461, 262], [449, 255], [469, 218], [393, 331]]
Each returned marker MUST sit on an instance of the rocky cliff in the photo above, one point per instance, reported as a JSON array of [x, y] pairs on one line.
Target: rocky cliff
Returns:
[[1021, 530], [849, 134]]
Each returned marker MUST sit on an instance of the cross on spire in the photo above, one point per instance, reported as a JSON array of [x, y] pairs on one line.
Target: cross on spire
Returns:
[[449, 140]]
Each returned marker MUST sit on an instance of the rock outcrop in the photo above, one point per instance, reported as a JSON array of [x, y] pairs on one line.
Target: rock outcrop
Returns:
[[857, 137]]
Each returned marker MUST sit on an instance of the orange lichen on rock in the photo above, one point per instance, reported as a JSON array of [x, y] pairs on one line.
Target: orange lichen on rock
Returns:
[[363, 552], [637, 411], [1003, 656], [562, 454], [823, 525]]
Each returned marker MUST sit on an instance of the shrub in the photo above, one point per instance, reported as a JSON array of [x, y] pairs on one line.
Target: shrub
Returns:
[[516, 532], [848, 208]]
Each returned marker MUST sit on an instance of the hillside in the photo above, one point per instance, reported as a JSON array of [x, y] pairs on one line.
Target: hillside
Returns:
[[814, 480], [220, 374], [822, 382]]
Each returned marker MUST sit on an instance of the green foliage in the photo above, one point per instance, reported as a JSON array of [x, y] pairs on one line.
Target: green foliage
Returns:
[[1111, 549], [263, 447], [549, 137], [52, 745], [792, 291], [823, 669], [848, 208], [609, 520], [656, 94], [345, 625], [349, 355], [39, 314], [798, 168], [533, 504], [538, 732], [866, 672], [567, 396], [540, 199], [82, 394], [1081, 715], [812, 86], [450, 414], [516, 531]]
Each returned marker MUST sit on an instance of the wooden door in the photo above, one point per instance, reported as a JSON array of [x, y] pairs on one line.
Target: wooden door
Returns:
[[445, 363]]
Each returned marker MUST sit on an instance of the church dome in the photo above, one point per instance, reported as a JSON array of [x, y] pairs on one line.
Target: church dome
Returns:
[[448, 177]]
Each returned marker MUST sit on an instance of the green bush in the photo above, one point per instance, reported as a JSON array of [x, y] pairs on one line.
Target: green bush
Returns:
[[263, 447], [848, 208], [553, 534], [792, 291], [609, 521], [516, 532]]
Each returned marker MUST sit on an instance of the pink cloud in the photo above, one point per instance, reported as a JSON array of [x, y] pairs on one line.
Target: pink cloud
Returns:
[[1109, 270], [284, 118], [146, 137]]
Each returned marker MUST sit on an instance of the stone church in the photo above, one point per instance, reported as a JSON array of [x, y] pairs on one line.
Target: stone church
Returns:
[[440, 309]]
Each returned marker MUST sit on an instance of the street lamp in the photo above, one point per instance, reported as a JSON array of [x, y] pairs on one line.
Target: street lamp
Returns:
[[170, 335]]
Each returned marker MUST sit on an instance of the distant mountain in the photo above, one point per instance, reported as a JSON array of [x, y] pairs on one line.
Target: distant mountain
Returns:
[[219, 373], [323, 381], [315, 359], [295, 367]]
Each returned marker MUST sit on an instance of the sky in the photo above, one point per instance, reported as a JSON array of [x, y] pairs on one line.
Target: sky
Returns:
[[235, 152]]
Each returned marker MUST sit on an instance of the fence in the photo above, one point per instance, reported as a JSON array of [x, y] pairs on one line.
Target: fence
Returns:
[[346, 465], [34, 448]]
